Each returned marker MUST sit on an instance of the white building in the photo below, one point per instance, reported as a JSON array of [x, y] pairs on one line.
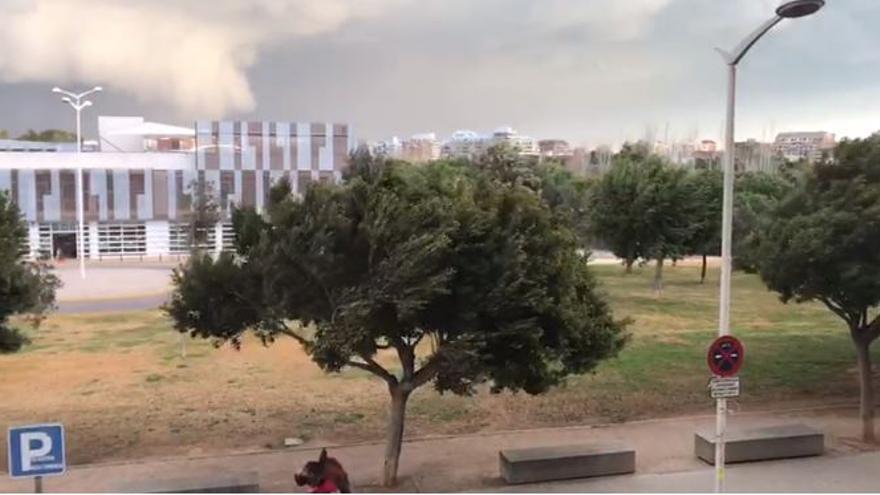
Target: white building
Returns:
[[809, 146]]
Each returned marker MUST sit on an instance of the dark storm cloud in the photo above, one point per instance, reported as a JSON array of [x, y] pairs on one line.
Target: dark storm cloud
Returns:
[[586, 70]]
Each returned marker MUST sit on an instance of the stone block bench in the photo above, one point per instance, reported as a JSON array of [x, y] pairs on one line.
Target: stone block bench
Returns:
[[760, 444], [565, 462], [214, 483]]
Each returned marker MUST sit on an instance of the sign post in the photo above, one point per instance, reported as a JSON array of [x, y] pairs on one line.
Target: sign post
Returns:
[[36, 451], [725, 358]]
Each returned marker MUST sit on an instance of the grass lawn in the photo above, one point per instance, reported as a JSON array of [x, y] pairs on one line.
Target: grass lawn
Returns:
[[122, 388]]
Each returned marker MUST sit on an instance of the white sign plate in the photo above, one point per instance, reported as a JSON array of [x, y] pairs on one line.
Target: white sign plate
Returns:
[[724, 388]]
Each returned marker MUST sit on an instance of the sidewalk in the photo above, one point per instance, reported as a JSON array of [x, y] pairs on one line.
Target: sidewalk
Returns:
[[470, 462], [852, 474]]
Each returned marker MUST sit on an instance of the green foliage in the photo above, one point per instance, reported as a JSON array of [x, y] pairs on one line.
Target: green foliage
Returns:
[[203, 214], [757, 194], [25, 288], [642, 209], [821, 242], [4, 134], [707, 189], [476, 262], [49, 136]]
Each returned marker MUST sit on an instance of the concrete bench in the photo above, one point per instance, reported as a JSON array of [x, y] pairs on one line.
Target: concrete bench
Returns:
[[759, 444], [214, 483], [565, 462]]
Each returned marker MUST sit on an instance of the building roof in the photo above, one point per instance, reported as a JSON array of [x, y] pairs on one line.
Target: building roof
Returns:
[[154, 129]]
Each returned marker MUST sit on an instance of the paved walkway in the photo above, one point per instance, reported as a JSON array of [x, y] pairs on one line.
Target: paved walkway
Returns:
[[112, 287], [665, 460], [828, 474]]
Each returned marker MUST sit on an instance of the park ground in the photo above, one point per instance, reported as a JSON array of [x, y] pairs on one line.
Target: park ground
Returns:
[[125, 391]]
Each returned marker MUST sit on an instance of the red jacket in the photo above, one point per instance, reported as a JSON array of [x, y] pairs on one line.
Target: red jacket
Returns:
[[327, 486]]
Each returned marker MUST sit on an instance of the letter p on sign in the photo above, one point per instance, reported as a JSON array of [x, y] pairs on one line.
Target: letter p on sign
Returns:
[[36, 450]]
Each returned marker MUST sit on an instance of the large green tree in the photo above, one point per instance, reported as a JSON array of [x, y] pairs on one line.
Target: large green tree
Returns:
[[26, 288], [757, 194], [707, 191], [457, 274], [641, 208], [822, 243]]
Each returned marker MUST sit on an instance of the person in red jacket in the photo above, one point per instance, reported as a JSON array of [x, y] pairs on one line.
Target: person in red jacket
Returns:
[[326, 475]]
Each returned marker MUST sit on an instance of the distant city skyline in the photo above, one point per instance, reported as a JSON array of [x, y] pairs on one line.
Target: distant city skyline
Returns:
[[590, 72]]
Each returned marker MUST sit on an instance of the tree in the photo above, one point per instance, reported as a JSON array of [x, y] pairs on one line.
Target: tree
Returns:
[[568, 196], [461, 276], [756, 196], [26, 288], [614, 217], [49, 136], [203, 214], [707, 189], [4, 134], [821, 243], [641, 209], [666, 202]]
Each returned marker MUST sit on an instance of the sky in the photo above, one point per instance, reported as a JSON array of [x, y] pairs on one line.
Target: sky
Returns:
[[589, 71]]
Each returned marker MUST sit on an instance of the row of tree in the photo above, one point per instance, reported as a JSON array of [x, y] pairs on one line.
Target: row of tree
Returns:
[[812, 234], [646, 209], [48, 135]]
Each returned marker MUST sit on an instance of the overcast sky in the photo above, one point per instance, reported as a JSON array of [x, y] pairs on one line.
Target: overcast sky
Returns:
[[590, 71]]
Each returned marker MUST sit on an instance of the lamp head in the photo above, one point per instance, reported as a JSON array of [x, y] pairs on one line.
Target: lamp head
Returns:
[[67, 99], [799, 8], [86, 103], [56, 89]]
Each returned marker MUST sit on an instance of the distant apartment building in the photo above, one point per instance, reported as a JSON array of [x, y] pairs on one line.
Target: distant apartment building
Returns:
[[464, 144], [754, 156], [136, 187], [524, 145], [420, 148], [469, 144], [554, 148], [809, 146]]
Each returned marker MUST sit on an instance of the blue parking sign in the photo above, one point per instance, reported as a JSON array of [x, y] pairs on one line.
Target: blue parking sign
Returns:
[[36, 450]]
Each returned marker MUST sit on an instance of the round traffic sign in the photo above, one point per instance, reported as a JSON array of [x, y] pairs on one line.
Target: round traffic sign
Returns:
[[725, 356]]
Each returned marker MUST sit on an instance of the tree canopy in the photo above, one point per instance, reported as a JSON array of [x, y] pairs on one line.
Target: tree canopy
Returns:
[[642, 208], [463, 273], [821, 243], [49, 136], [26, 288]]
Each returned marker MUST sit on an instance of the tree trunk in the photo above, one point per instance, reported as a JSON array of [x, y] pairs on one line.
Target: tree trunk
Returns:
[[703, 270], [866, 409], [395, 435], [658, 276], [629, 265]]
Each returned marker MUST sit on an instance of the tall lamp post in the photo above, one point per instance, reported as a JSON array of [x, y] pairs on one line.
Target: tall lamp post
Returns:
[[75, 100], [788, 10]]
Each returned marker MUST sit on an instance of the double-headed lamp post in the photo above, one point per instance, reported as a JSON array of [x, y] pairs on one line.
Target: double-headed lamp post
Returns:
[[788, 10], [75, 100]]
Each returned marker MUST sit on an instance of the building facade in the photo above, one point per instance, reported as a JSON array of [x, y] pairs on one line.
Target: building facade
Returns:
[[809, 146], [136, 200]]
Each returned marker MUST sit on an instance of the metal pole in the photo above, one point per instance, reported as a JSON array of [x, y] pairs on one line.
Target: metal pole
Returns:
[[38, 484], [80, 248], [726, 265]]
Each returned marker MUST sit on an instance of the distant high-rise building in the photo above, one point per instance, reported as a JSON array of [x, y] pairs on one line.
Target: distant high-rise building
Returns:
[[524, 145], [554, 148], [420, 148], [464, 144], [754, 156], [809, 146]]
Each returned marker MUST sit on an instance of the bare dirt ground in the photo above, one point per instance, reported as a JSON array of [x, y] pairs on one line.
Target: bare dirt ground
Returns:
[[123, 390]]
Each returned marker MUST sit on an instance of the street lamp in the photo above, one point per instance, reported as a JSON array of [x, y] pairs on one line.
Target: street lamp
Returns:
[[75, 100], [789, 10]]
